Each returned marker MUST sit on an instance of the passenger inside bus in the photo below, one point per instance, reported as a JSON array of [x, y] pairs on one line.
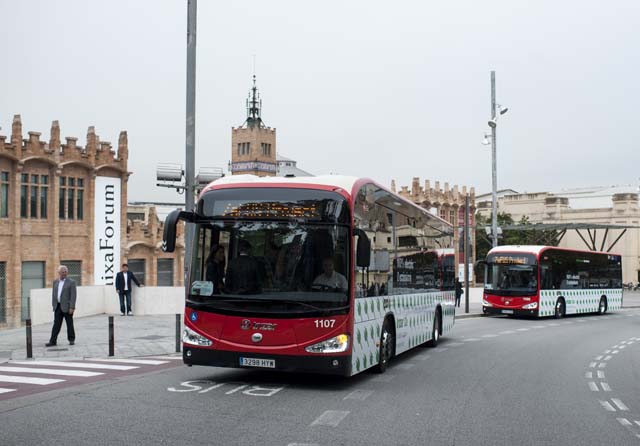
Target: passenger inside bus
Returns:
[[215, 268], [243, 273]]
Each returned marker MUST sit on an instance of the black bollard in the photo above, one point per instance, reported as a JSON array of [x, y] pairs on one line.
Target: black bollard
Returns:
[[111, 339], [29, 340], [178, 343]]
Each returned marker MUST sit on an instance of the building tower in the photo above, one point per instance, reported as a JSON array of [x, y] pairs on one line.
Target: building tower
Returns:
[[253, 145]]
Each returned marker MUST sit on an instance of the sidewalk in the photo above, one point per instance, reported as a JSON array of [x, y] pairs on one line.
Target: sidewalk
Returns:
[[134, 336]]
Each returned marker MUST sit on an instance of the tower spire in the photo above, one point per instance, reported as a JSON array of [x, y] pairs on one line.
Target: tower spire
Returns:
[[254, 106]]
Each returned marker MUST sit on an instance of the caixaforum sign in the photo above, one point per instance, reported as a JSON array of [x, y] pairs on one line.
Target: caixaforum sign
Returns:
[[106, 249]]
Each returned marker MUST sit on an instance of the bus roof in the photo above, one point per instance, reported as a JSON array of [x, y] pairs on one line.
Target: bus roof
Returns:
[[344, 182], [537, 249], [341, 181]]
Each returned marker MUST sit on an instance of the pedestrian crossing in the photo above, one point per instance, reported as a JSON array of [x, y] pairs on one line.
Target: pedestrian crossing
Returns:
[[19, 378]]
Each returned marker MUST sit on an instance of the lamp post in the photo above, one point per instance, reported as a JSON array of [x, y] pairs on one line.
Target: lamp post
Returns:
[[493, 123]]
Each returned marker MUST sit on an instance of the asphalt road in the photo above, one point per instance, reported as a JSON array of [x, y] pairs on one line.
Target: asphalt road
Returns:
[[494, 381]]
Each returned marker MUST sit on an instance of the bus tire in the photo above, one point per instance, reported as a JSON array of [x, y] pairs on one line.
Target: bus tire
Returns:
[[560, 309], [387, 346], [603, 305], [436, 330]]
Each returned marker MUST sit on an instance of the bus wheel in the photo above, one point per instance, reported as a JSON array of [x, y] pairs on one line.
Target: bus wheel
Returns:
[[386, 347], [435, 333], [560, 310], [602, 306]]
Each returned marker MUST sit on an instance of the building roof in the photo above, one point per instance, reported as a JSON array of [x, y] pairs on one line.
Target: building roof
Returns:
[[284, 171], [594, 197], [500, 193]]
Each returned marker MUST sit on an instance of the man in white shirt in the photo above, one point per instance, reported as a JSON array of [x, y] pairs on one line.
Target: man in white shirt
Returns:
[[329, 277], [63, 300]]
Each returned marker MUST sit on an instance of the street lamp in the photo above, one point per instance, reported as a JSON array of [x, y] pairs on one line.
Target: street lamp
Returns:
[[493, 123]]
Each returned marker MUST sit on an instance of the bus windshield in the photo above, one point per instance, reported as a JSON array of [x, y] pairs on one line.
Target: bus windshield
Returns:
[[511, 274], [270, 265]]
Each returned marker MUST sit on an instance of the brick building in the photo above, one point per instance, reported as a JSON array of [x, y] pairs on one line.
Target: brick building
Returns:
[[61, 203]]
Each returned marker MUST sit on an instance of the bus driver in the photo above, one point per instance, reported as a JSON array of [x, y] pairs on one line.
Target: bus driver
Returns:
[[329, 277]]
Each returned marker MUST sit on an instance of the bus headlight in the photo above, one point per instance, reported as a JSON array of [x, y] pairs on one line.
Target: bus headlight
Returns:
[[485, 303], [531, 306], [337, 344], [191, 337]]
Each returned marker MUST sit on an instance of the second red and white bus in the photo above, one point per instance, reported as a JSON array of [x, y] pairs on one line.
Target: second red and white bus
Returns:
[[549, 281]]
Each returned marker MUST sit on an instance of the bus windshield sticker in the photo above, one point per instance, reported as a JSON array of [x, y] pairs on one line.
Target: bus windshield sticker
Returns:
[[202, 288]]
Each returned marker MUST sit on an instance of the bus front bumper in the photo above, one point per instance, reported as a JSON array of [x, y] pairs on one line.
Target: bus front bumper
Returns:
[[325, 364], [509, 311]]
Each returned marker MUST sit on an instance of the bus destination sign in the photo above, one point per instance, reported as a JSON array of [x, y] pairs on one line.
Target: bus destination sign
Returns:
[[511, 260], [271, 209]]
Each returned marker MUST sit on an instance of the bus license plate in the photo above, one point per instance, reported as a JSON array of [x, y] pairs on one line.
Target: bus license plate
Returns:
[[507, 311], [258, 362]]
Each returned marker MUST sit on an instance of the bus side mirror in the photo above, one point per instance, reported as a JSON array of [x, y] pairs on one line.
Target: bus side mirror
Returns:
[[170, 228], [363, 249]]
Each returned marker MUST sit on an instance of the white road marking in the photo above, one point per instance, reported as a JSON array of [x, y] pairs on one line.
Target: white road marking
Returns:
[[588, 375], [602, 365], [523, 329], [131, 361], [622, 346], [592, 364], [607, 406], [615, 352], [26, 380], [331, 418], [489, 336], [605, 387], [619, 403], [598, 358], [600, 374], [607, 351], [507, 332], [581, 320], [454, 344], [637, 422], [387, 377], [406, 366], [623, 342], [82, 373], [3, 390], [606, 358], [553, 324], [593, 387], [359, 395], [624, 421], [472, 339], [84, 365], [174, 358], [538, 326]]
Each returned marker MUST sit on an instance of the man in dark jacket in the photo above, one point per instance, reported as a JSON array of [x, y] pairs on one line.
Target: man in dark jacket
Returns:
[[458, 292], [123, 287], [244, 273], [63, 300]]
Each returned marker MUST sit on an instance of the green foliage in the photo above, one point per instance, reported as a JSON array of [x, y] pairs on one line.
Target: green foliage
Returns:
[[524, 236]]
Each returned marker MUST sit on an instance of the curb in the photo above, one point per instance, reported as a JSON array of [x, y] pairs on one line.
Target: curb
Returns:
[[469, 315]]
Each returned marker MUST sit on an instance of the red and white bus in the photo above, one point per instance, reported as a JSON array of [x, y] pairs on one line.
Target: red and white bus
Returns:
[[550, 281], [294, 257]]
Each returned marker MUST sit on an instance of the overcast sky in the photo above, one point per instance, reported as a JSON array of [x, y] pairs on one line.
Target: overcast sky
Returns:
[[388, 90]]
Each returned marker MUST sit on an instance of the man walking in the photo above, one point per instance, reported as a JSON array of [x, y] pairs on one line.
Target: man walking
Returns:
[[459, 292], [63, 300], [123, 287]]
